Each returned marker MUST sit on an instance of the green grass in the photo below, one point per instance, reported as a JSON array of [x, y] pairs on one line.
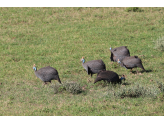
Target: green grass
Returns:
[[59, 37], [133, 9]]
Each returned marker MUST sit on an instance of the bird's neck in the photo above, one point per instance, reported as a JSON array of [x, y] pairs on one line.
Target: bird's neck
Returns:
[[121, 63], [121, 78], [35, 69], [83, 60]]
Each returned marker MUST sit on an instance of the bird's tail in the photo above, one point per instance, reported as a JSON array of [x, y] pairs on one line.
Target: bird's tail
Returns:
[[141, 66], [59, 80]]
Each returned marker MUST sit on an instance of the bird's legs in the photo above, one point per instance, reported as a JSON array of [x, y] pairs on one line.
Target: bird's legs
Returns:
[[131, 70], [136, 70], [90, 78]]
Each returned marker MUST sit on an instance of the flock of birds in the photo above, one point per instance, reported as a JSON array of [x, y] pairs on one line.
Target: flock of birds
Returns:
[[120, 55]]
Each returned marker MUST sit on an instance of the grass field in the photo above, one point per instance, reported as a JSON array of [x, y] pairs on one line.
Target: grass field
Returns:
[[59, 37]]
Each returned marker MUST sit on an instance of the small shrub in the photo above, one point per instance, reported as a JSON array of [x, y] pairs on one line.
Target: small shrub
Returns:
[[161, 86], [134, 92], [58, 88], [131, 92], [159, 44], [161, 97], [133, 9], [72, 87]]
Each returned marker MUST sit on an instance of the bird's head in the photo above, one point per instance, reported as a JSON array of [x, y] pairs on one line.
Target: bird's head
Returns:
[[118, 61], [123, 77], [82, 59], [34, 67]]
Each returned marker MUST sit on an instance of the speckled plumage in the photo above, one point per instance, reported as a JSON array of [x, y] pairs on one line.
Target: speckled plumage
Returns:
[[109, 76], [94, 66], [131, 62], [119, 53], [46, 74]]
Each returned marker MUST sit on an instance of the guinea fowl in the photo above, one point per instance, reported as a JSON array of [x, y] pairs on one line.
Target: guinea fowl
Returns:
[[109, 76], [119, 53], [131, 62], [93, 66], [46, 74]]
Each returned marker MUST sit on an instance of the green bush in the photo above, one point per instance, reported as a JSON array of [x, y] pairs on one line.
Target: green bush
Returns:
[[58, 88], [161, 86], [134, 92], [133, 9], [131, 92], [71, 87]]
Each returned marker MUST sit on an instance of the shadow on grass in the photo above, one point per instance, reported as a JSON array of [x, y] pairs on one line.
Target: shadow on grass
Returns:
[[125, 83], [142, 71], [147, 71]]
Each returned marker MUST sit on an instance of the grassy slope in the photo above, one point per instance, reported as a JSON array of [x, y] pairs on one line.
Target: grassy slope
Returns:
[[59, 37]]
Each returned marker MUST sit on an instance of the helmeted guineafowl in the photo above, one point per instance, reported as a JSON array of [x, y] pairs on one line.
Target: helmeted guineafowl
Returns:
[[93, 66], [46, 74], [119, 53], [131, 62], [109, 76]]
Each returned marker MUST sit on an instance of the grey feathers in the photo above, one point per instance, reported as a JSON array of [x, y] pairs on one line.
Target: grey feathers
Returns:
[[93, 66], [122, 56], [119, 53], [46, 74], [109, 76], [132, 62]]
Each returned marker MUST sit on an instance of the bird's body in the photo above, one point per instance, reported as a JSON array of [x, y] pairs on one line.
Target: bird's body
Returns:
[[93, 66], [131, 62], [46, 74], [119, 53], [109, 76]]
